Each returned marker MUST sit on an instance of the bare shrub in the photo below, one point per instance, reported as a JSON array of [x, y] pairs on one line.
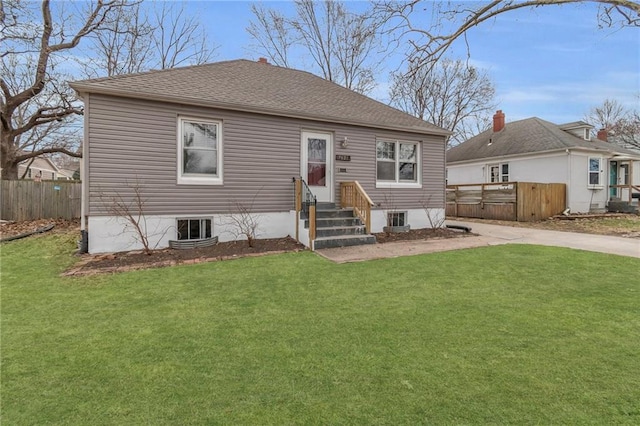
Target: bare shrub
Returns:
[[435, 221], [132, 209], [242, 222]]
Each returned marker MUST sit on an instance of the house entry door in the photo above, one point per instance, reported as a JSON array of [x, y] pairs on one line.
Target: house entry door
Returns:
[[317, 164]]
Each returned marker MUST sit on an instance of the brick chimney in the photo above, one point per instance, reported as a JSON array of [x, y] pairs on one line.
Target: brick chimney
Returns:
[[603, 135], [498, 121], [263, 60]]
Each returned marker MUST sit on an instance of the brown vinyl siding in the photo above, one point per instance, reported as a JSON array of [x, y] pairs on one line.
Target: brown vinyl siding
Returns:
[[133, 139]]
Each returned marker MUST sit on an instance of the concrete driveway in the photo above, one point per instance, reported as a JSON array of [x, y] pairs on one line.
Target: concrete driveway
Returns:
[[488, 235]]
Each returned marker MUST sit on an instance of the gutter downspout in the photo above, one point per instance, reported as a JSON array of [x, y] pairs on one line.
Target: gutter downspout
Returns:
[[84, 176], [568, 206]]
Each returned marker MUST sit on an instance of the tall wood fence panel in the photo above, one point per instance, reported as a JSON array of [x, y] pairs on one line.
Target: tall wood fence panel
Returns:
[[539, 201], [516, 201], [30, 200]]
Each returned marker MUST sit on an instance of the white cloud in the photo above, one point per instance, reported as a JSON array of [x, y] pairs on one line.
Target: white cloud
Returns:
[[526, 96], [484, 65]]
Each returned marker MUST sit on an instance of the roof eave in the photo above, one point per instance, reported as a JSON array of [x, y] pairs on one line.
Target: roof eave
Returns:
[[82, 89], [549, 151]]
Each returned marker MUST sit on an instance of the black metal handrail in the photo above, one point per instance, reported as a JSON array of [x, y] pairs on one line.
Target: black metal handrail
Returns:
[[308, 199]]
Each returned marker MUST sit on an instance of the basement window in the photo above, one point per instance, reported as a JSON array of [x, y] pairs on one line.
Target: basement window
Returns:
[[194, 229], [397, 218]]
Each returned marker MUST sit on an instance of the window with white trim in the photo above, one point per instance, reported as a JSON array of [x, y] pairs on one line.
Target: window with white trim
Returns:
[[194, 229], [397, 162], [199, 151], [498, 172], [397, 218], [595, 171]]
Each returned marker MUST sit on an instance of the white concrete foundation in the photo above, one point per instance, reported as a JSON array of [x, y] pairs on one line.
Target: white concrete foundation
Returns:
[[417, 218], [109, 234]]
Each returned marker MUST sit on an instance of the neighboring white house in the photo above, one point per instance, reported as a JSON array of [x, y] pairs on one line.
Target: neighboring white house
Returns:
[[534, 150]]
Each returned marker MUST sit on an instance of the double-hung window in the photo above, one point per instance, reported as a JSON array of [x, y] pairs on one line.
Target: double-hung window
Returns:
[[499, 172], [199, 151], [595, 171], [397, 163]]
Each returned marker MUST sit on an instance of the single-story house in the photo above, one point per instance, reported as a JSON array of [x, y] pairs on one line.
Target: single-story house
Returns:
[[41, 168], [202, 143], [596, 172]]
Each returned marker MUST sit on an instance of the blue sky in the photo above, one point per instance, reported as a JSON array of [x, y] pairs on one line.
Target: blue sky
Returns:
[[551, 62]]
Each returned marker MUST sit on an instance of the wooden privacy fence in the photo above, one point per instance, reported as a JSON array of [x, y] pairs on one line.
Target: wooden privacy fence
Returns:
[[517, 201], [30, 200]]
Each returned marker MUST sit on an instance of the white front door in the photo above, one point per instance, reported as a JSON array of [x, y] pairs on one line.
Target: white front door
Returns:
[[317, 164]]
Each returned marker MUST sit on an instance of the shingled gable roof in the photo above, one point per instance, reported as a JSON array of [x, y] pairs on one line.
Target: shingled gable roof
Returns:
[[574, 125], [531, 135], [258, 87]]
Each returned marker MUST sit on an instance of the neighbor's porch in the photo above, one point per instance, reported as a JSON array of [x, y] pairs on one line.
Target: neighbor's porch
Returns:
[[624, 184]]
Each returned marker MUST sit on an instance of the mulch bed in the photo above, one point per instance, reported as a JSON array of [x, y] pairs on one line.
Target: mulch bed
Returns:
[[419, 234], [132, 260]]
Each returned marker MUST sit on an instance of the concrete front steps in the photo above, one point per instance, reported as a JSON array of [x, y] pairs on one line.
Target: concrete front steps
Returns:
[[337, 227]]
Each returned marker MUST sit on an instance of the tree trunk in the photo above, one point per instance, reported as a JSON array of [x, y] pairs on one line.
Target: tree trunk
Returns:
[[8, 155], [9, 170]]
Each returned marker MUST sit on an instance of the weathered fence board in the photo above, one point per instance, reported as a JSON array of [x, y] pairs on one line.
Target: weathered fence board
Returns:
[[517, 201], [31, 200], [537, 201]]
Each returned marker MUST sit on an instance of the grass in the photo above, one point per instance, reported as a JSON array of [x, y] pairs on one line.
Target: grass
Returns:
[[504, 334]]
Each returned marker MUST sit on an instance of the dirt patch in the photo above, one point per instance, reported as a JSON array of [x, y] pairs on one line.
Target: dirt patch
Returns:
[[419, 234], [11, 229], [627, 225]]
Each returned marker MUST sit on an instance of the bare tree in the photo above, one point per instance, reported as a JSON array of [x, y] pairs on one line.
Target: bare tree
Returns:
[[452, 95], [123, 46], [140, 38], [606, 115], [180, 39], [622, 124], [38, 111], [342, 45], [273, 33], [34, 97], [450, 21]]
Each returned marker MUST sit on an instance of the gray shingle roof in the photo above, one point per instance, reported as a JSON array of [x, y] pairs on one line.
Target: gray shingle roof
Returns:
[[525, 136], [574, 125], [257, 87]]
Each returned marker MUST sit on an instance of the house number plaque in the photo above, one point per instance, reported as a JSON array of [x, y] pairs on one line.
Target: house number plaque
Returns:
[[343, 157]]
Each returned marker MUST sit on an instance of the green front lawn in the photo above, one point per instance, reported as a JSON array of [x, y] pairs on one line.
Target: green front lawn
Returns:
[[504, 334]]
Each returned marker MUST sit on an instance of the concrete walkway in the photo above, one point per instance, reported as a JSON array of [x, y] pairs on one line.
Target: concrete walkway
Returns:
[[488, 235]]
